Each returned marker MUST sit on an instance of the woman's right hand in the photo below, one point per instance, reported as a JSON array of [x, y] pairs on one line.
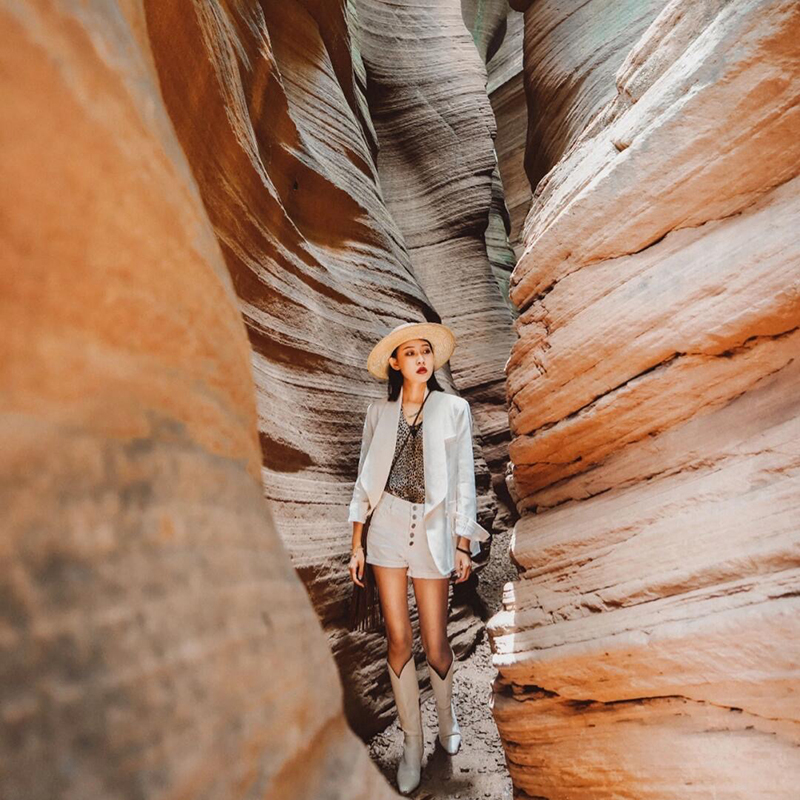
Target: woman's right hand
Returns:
[[357, 567]]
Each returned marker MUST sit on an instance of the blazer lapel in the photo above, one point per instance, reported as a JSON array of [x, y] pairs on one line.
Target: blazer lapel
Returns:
[[434, 451], [375, 471]]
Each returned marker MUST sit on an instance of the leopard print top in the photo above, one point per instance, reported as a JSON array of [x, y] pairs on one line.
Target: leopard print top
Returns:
[[407, 479]]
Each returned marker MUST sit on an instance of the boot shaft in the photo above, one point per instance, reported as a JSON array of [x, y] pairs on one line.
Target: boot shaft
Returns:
[[406, 698], [442, 687], [449, 731]]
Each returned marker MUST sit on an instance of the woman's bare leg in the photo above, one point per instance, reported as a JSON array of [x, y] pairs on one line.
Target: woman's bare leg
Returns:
[[392, 585], [432, 596]]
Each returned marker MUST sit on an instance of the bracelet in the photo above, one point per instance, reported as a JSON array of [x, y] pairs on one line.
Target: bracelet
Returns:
[[464, 551], [355, 550]]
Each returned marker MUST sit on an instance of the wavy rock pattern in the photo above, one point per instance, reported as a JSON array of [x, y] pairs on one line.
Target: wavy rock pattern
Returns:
[[154, 638], [325, 257], [497, 33], [427, 97], [506, 91], [654, 407], [577, 47]]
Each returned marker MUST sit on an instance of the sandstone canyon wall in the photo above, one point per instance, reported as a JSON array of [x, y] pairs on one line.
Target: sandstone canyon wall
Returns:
[[497, 33], [347, 176], [327, 221], [506, 90], [427, 96], [650, 647], [155, 640]]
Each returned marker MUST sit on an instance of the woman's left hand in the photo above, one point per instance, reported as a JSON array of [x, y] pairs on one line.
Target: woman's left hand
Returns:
[[463, 566]]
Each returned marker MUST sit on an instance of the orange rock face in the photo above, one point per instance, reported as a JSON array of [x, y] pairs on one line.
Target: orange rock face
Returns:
[[155, 640], [650, 647]]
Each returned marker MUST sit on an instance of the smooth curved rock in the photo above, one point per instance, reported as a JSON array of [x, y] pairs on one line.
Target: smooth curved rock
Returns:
[[497, 34], [507, 95], [726, 105], [155, 640], [577, 47]]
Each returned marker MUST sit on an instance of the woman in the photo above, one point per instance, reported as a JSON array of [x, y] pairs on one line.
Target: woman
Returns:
[[417, 472]]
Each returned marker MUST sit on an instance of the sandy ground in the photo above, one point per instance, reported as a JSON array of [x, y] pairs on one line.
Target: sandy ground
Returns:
[[478, 770]]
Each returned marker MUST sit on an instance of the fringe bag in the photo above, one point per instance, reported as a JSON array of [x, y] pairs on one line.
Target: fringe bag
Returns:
[[365, 605]]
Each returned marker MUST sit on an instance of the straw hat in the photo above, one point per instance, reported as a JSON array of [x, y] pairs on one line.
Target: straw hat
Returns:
[[440, 336]]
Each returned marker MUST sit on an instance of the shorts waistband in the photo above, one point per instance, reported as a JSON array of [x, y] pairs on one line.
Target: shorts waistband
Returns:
[[393, 501]]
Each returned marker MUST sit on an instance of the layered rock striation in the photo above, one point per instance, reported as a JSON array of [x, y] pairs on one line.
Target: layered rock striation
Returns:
[[649, 648], [155, 640], [335, 226], [426, 90], [506, 90]]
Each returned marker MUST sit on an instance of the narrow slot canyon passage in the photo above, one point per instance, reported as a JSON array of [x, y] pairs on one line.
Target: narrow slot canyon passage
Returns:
[[211, 213]]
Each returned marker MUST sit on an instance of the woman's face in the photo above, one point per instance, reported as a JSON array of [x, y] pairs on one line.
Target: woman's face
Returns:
[[414, 360]]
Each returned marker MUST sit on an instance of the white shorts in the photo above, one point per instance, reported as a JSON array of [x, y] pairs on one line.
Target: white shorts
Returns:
[[397, 537]]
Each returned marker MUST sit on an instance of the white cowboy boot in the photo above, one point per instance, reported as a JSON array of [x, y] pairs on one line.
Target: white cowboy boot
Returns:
[[449, 732], [406, 698]]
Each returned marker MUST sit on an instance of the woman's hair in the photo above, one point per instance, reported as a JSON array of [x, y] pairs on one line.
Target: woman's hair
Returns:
[[396, 378]]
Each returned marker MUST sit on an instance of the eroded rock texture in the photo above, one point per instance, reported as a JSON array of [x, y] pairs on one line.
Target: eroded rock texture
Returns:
[[336, 225], [650, 647], [497, 33], [155, 640], [507, 95], [427, 96]]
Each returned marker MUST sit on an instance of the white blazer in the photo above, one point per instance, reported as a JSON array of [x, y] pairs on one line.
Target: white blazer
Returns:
[[450, 502]]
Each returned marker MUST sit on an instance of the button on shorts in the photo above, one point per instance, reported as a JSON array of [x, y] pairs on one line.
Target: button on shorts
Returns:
[[397, 537]]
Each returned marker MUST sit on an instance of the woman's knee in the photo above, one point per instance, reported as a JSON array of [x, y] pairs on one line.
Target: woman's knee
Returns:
[[399, 642], [438, 653]]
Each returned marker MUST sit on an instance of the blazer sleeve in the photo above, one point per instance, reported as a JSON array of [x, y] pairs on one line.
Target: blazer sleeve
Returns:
[[465, 523], [359, 505]]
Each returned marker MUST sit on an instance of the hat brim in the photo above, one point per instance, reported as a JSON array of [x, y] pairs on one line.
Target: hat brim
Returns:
[[440, 336]]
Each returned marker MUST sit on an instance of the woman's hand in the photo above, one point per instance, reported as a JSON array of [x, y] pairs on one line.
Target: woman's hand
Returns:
[[463, 566], [357, 566]]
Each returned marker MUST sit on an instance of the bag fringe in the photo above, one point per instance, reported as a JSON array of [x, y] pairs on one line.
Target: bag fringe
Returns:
[[365, 605]]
